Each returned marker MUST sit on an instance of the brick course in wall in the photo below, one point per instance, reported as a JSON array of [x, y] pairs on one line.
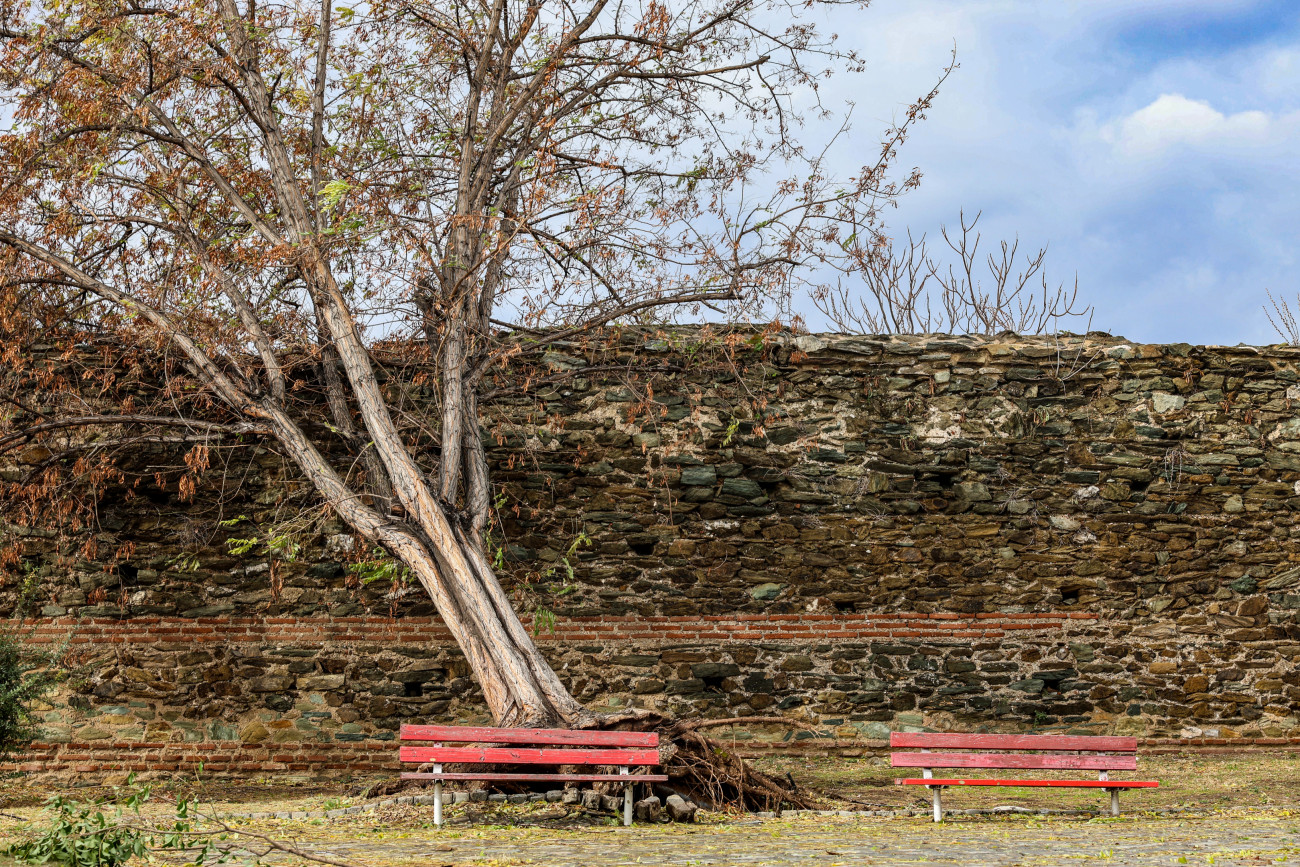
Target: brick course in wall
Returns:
[[143, 631], [100, 758]]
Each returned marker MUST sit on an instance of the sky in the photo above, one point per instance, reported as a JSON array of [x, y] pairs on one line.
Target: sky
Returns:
[[1154, 145]]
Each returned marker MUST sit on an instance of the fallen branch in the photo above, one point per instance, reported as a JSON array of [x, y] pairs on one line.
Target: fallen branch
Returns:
[[273, 845]]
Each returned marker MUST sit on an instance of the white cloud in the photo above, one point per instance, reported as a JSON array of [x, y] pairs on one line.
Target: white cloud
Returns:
[[1161, 167], [1173, 119]]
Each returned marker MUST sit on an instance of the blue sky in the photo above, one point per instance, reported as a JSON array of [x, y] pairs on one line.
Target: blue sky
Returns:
[[1154, 144]]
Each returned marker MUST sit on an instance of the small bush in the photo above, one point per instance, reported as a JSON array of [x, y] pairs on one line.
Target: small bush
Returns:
[[26, 675]]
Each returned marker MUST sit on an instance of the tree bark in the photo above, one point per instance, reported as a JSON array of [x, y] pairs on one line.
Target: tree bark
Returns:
[[518, 684]]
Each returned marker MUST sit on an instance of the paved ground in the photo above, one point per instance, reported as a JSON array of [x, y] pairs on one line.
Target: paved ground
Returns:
[[1241, 839]]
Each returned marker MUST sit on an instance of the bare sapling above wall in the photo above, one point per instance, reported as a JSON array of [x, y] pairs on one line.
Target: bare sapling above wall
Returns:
[[905, 289], [1283, 319]]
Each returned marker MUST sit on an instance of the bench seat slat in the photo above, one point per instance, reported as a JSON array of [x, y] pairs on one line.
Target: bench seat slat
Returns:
[[1013, 760], [942, 741], [539, 737], [524, 756], [537, 778], [1072, 784]]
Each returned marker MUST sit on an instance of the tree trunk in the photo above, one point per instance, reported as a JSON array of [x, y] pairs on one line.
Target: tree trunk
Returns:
[[518, 684]]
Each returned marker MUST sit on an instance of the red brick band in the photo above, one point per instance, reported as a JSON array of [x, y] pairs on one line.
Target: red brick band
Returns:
[[216, 757], [429, 630]]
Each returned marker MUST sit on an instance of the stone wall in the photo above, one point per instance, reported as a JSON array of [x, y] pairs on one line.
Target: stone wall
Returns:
[[861, 534]]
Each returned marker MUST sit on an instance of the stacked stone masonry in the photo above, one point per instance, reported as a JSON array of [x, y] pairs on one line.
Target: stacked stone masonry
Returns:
[[863, 534]]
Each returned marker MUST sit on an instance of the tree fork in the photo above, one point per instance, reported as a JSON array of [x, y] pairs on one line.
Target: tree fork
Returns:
[[508, 680]]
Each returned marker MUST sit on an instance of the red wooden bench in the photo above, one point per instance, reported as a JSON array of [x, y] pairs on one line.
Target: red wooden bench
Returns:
[[1051, 752], [531, 747]]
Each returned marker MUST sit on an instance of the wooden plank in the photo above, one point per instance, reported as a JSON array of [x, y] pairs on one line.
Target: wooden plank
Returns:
[[526, 756], [1013, 760], [540, 737], [1070, 784], [539, 778], [946, 741]]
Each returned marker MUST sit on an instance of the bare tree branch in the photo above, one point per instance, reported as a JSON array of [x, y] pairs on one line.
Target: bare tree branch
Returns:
[[906, 291], [9, 441]]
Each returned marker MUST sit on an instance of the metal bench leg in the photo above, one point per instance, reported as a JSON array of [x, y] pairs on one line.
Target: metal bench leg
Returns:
[[1114, 802], [437, 792], [627, 797], [936, 798]]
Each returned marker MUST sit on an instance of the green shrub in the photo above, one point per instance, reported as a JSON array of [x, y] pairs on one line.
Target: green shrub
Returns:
[[26, 676]]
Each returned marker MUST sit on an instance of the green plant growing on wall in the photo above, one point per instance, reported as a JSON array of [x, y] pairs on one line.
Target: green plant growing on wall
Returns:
[[22, 683], [582, 540], [27, 674], [281, 543], [185, 561], [543, 617], [543, 620], [380, 567], [496, 548]]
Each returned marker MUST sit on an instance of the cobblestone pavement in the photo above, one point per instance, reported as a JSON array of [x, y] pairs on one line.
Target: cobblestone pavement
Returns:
[[1241, 839]]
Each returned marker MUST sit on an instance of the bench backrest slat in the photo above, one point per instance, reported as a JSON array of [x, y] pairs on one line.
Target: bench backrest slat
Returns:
[[522, 756], [940, 741], [540, 737], [1013, 760]]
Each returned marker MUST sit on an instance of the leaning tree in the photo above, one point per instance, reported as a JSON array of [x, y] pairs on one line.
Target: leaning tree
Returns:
[[266, 191]]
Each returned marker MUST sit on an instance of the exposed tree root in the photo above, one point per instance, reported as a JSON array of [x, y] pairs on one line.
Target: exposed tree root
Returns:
[[710, 771], [706, 770]]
